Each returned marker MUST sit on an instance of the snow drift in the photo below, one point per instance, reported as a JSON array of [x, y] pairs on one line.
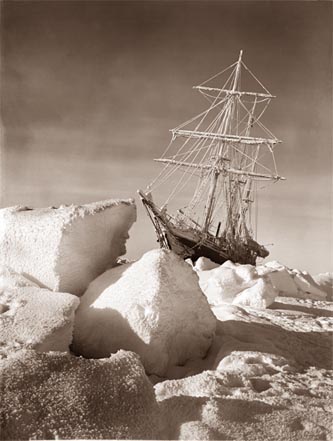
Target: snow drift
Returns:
[[56, 395], [65, 248], [267, 377], [153, 307], [31, 317]]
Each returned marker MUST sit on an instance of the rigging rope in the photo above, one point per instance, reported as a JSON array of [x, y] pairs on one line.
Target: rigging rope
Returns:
[[229, 119], [251, 73]]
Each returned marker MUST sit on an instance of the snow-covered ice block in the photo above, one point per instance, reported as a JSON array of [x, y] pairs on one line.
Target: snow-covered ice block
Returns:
[[308, 285], [59, 396], [260, 295], [32, 317], [153, 307], [281, 279], [204, 264], [220, 284], [65, 248], [293, 282], [236, 284], [325, 283]]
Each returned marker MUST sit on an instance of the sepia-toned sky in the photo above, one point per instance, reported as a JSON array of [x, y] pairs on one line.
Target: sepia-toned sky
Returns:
[[90, 89]]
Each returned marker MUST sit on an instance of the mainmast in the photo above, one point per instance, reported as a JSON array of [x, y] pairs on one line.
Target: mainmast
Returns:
[[216, 169]]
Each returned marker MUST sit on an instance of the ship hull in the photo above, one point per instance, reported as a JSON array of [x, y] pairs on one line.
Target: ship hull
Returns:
[[190, 247], [194, 249], [190, 243]]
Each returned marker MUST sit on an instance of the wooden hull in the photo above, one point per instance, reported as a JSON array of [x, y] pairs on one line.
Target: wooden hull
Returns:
[[194, 249], [190, 243], [187, 247]]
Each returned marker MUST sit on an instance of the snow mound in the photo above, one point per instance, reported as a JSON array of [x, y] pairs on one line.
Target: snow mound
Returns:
[[252, 363], [153, 307], [31, 317], [206, 384], [56, 395], [292, 282], [236, 284], [65, 248]]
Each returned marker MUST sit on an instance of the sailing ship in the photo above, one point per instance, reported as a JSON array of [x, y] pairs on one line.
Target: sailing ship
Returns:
[[216, 167]]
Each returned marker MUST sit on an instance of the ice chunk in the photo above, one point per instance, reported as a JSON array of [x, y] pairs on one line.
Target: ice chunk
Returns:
[[260, 295], [220, 284], [31, 317], [293, 282], [325, 283], [59, 396], [153, 307], [204, 264], [281, 279], [64, 249], [306, 284], [236, 284]]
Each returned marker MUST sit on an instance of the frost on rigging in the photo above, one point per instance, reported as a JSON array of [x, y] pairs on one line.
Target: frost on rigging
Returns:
[[216, 160]]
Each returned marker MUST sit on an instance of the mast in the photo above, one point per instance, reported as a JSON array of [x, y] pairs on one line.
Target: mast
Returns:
[[216, 172], [218, 159]]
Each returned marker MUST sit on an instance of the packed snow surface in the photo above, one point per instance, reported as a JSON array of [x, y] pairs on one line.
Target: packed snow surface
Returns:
[[59, 396], [32, 317], [65, 248], [153, 307], [267, 376]]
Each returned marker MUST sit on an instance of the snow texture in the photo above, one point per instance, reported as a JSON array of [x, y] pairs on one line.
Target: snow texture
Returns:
[[236, 284], [59, 396], [153, 307], [267, 377], [32, 317], [65, 248]]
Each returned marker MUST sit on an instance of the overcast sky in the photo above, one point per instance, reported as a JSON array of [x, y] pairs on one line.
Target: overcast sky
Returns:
[[90, 90]]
